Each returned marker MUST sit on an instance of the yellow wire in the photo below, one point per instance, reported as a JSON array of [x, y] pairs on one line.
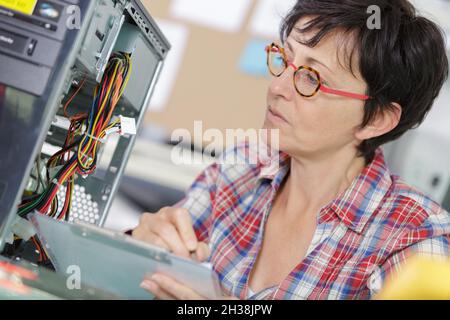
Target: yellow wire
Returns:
[[98, 115], [120, 63]]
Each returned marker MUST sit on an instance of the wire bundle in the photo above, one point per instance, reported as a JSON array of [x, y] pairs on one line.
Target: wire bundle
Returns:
[[79, 152]]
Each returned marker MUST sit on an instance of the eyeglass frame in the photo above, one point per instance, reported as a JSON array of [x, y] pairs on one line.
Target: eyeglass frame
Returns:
[[320, 85]]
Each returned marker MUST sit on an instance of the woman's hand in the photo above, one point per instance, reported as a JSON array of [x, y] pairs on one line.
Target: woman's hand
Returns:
[[171, 228], [166, 288]]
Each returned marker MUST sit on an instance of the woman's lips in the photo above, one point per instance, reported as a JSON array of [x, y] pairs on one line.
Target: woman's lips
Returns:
[[274, 115]]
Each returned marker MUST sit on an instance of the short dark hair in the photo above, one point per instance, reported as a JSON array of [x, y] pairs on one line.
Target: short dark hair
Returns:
[[404, 61]]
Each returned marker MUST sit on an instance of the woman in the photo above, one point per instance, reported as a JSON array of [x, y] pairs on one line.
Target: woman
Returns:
[[330, 221]]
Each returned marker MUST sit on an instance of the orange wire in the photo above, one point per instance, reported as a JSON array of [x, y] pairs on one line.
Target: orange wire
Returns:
[[72, 97]]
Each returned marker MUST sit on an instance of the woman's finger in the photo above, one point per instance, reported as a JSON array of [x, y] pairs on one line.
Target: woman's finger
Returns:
[[202, 253], [182, 220], [170, 235], [156, 290], [175, 289]]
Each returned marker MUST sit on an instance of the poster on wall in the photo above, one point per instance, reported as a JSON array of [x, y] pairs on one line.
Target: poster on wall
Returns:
[[267, 17], [222, 15]]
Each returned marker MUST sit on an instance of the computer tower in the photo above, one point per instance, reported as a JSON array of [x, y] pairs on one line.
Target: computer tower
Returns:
[[53, 56]]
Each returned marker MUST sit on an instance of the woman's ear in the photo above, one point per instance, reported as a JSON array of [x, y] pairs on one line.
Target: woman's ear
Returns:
[[385, 121]]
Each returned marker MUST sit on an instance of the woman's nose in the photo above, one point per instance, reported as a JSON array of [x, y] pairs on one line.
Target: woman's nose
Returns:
[[283, 86]]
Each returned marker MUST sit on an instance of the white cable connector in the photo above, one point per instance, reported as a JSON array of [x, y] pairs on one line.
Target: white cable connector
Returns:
[[23, 228], [9, 238], [127, 125], [112, 130]]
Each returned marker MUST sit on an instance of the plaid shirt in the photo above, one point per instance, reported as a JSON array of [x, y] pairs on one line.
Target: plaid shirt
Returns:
[[361, 237]]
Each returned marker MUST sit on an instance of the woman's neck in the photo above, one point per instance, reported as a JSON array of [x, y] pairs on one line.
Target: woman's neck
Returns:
[[313, 183]]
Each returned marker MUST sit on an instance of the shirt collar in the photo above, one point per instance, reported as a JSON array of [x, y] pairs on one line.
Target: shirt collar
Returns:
[[275, 168], [360, 201], [357, 204]]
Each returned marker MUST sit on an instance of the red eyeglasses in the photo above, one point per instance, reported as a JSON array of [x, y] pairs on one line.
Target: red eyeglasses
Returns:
[[307, 80]]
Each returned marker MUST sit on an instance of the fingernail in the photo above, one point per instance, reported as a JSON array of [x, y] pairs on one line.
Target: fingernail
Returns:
[[148, 285], [155, 278]]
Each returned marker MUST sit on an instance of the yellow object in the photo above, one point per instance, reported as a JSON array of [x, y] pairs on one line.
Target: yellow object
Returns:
[[420, 279], [23, 6]]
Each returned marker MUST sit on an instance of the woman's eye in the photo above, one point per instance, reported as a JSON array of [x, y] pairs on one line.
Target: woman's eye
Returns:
[[311, 79]]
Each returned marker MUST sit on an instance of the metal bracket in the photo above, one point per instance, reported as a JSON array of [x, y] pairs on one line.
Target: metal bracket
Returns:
[[103, 56]]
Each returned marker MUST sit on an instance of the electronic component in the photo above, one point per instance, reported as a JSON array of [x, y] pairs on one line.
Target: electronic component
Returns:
[[75, 77]]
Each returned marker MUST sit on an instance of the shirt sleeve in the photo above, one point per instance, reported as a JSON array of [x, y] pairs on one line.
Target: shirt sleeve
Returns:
[[436, 248], [199, 201]]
